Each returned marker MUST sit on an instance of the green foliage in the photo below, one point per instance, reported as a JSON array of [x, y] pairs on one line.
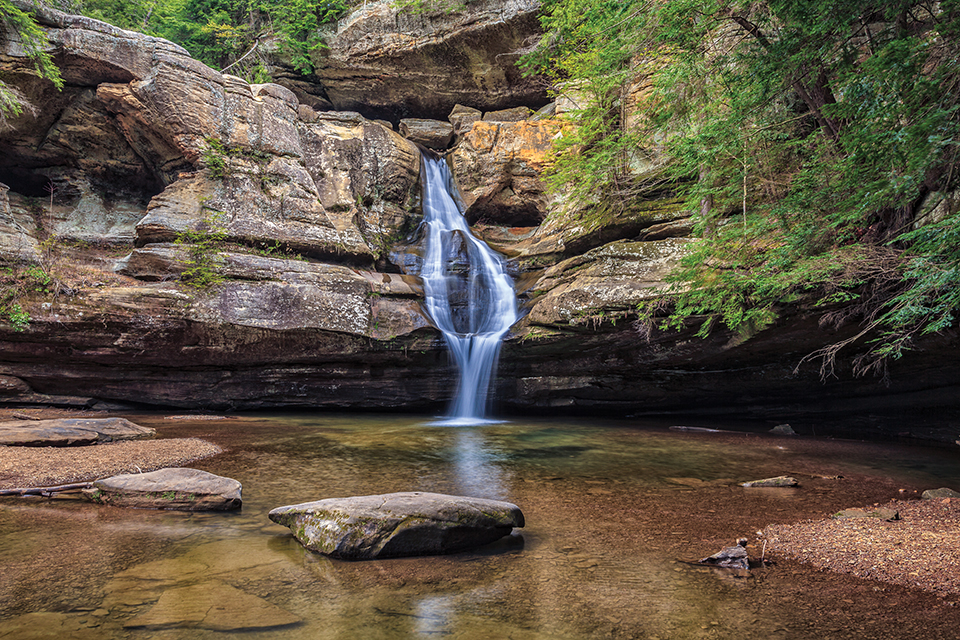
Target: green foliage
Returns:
[[277, 250], [217, 158], [931, 299], [431, 6], [18, 318], [214, 157], [589, 54], [806, 134], [17, 284], [219, 32], [38, 279], [203, 244], [296, 23], [20, 26]]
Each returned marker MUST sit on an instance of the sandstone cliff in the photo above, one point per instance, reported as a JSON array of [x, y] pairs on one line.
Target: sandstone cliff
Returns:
[[309, 221], [387, 62]]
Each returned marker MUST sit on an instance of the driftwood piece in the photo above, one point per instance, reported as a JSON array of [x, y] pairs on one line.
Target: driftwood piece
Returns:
[[46, 491], [24, 416]]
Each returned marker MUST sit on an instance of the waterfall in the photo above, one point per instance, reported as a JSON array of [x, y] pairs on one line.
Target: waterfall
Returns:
[[469, 295]]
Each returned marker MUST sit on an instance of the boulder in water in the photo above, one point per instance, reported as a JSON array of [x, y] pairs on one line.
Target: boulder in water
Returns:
[[398, 524], [783, 430], [174, 489], [731, 557], [779, 481]]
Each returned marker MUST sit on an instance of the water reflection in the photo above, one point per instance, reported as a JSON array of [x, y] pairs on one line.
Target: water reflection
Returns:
[[433, 615], [475, 467]]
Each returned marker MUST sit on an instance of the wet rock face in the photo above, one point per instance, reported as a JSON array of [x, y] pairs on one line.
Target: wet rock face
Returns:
[[277, 294], [17, 230], [218, 155], [398, 524], [610, 279], [364, 170], [390, 63]]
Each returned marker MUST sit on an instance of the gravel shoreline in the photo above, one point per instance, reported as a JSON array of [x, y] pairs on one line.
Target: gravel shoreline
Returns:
[[920, 550], [49, 466]]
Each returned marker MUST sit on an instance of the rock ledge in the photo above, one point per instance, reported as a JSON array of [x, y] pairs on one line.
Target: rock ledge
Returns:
[[65, 432]]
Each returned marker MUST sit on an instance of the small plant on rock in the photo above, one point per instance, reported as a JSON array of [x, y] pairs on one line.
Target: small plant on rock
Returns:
[[215, 157], [203, 250]]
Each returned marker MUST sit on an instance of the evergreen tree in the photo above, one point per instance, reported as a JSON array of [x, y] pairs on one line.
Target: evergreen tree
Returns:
[[18, 26], [810, 137]]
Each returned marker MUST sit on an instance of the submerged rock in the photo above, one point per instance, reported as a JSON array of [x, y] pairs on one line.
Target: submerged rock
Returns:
[[173, 489], [730, 557], [66, 432], [212, 605], [694, 429], [779, 481], [398, 524]]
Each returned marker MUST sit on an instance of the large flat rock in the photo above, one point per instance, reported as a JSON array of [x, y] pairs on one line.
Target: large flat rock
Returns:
[[398, 524], [174, 489], [66, 432]]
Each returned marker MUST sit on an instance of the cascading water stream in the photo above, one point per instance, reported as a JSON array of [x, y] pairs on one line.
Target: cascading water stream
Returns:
[[469, 295]]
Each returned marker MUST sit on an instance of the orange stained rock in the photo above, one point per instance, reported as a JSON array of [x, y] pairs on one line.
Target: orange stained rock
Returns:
[[528, 142]]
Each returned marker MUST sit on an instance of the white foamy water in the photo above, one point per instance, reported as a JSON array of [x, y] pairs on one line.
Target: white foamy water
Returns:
[[469, 295]]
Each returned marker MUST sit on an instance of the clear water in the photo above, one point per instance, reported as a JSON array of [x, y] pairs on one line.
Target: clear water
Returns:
[[615, 512], [468, 293]]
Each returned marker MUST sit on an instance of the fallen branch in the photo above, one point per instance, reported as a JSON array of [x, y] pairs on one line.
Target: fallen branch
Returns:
[[46, 491], [24, 416]]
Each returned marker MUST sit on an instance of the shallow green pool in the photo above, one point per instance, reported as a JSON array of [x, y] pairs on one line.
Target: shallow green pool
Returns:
[[615, 513]]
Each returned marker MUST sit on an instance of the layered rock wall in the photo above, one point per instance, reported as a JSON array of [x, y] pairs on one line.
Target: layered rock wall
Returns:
[[389, 62], [149, 166]]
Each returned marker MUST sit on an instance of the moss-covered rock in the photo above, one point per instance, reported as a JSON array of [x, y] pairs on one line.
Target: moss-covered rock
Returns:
[[398, 524], [174, 489]]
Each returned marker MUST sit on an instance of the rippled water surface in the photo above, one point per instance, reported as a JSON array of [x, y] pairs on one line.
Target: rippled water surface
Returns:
[[615, 514]]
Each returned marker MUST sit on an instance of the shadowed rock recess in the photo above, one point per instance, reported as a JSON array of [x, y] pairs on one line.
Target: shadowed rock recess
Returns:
[[301, 224]]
